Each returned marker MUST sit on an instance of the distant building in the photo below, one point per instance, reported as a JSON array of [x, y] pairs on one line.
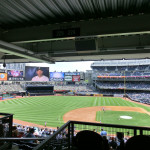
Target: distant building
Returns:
[[15, 66], [88, 76]]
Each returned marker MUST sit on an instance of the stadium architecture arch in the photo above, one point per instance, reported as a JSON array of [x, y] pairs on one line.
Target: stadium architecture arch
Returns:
[[114, 95]]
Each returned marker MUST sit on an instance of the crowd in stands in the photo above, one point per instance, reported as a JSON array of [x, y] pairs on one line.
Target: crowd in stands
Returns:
[[10, 88], [140, 97], [94, 141], [85, 139], [128, 71], [61, 86], [122, 68], [127, 85], [37, 83], [136, 90], [127, 74], [22, 131], [73, 88]]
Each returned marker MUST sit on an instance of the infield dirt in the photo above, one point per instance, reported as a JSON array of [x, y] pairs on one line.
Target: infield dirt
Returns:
[[88, 114]]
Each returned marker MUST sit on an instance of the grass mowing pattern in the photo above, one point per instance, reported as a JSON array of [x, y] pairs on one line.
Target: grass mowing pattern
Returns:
[[52, 108], [113, 117]]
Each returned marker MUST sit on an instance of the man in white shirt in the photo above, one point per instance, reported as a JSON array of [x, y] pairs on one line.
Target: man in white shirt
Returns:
[[40, 76]]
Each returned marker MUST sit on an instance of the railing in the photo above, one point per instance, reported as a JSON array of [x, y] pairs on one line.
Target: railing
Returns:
[[5, 128], [75, 126], [6, 124], [69, 129]]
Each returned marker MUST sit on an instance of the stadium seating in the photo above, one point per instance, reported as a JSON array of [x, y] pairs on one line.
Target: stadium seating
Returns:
[[128, 71], [74, 135], [10, 88], [72, 87], [128, 85]]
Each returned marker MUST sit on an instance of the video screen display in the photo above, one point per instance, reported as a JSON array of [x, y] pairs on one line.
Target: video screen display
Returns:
[[72, 73], [57, 76], [68, 78], [76, 78], [15, 75], [37, 74], [3, 76]]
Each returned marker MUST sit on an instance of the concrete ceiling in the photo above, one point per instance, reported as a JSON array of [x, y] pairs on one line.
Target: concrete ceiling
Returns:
[[31, 31]]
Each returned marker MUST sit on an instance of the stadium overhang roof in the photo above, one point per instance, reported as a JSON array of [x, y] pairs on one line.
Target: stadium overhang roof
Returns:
[[50, 30]]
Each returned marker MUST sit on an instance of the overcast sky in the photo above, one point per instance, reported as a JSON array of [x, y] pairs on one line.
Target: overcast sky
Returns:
[[66, 66]]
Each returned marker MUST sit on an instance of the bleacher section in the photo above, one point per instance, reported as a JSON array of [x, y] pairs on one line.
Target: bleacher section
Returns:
[[116, 78], [120, 85], [72, 88], [128, 71], [11, 88]]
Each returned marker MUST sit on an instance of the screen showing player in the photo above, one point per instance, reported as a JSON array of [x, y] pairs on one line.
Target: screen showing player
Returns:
[[37, 74]]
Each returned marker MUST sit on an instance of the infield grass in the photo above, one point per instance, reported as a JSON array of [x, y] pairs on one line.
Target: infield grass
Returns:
[[52, 108], [113, 117]]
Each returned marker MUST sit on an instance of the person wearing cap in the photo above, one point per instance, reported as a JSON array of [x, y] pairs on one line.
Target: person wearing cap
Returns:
[[40, 76]]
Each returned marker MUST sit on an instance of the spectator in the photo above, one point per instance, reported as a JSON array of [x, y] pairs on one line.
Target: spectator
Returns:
[[113, 143], [31, 135], [88, 140], [140, 142], [105, 141], [103, 133], [14, 131]]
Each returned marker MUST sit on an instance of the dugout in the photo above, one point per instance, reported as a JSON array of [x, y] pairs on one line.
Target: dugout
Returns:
[[40, 90]]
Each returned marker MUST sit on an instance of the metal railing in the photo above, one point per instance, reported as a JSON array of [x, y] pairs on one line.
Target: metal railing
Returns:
[[70, 129], [5, 128], [6, 121], [76, 126]]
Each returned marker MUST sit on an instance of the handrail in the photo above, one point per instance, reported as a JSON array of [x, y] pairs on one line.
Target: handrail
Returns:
[[111, 125], [5, 114], [9, 119], [70, 126], [20, 139], [52, 136]]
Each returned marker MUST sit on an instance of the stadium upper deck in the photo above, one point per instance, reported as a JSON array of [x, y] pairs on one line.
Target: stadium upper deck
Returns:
[[134, 62], [127, 68]]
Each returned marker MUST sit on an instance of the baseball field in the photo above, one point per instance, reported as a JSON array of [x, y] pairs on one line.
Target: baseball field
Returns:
[[55, 110]]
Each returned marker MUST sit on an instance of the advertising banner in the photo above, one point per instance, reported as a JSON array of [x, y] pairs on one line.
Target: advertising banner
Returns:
[[15, 75], [72, 73], [76, 78], [3, 76], [68, 78], [57, 76]]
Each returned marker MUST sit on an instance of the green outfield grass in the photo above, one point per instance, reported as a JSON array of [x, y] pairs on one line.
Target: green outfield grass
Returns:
[[138, 119], [52, 108]]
